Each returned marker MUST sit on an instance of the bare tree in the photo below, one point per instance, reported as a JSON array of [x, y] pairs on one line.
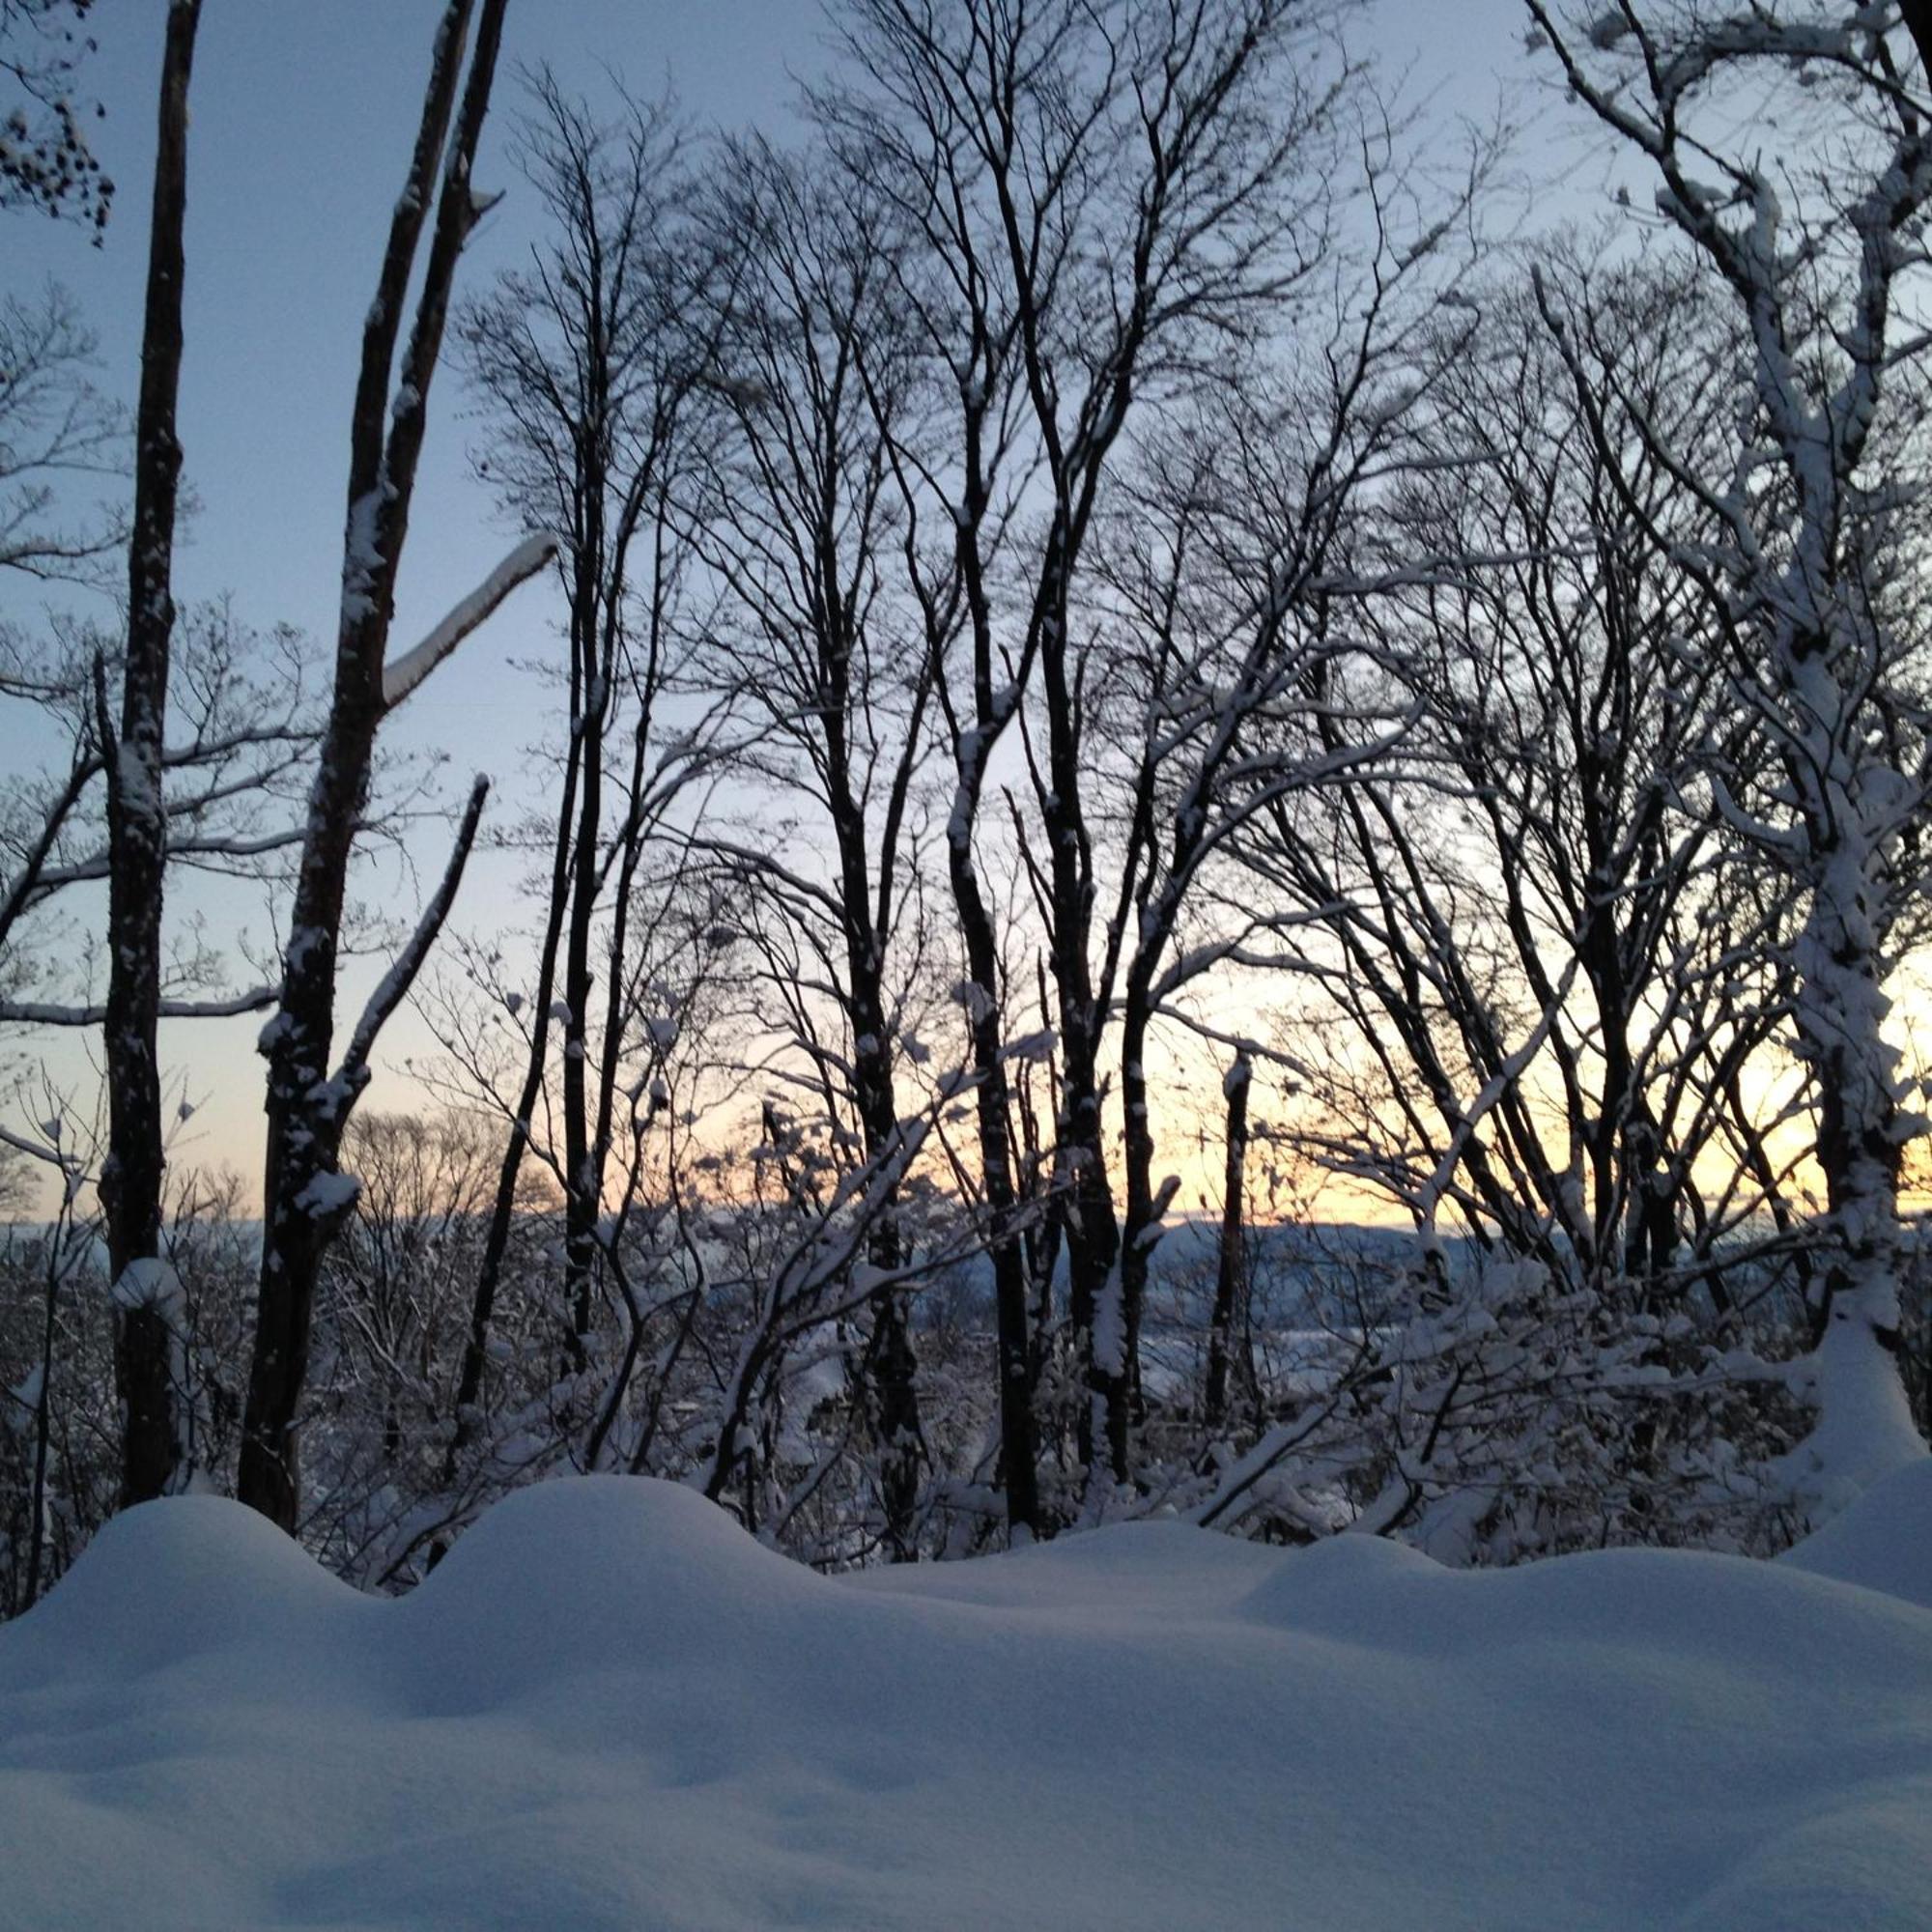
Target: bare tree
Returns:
[[240, 740], [1536, 635], [58, 1259], [58, 427], [796, 523], [1545, 1003], [1820, 249], [146, 1342], [304, 1195], [1098, 191], [54, 424], [390, 1314], [587, 362], [1228, 675], [45, 160]]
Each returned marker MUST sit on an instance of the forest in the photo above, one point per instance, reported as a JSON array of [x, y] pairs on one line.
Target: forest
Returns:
[[1221, 832], [1150, 1153]]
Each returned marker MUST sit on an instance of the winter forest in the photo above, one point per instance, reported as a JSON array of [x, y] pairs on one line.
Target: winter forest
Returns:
[[1213, 886]]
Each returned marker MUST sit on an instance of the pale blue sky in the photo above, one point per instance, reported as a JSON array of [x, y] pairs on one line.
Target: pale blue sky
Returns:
[[303, 111]]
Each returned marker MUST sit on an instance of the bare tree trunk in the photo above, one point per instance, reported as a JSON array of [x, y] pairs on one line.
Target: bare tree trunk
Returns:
[[1115, 1259], [145, 1340], [1228, 1335], [1019, 1466], [891, 1366], [582, 1165], [304, 1198], [503, 1206], [37, 1495], [1115, 1374], [1095, 1301], [991, 712]]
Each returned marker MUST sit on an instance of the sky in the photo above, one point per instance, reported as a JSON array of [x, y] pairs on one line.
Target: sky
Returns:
[[302, 116]]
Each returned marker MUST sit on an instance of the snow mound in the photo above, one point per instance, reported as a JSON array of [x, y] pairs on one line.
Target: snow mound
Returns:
[[171, 1581], [1883, 1542], [577, 1578], [610, 1708]]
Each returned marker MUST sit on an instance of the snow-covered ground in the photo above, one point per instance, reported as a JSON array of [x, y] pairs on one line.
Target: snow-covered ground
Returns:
[[611, 1707]]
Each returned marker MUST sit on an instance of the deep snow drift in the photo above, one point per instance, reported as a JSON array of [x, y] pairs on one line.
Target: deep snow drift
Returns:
[[611, 1707]]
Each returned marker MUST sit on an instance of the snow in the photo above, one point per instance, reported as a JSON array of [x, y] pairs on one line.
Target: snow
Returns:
[[328, 1194], [400, 675], [609, 1707], [148, 1282], [1864, 1429], [1883, 1542]]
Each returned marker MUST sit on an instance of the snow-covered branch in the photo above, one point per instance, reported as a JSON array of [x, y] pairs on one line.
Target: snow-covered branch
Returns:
[[400, 675], [353, 1074], [53, 1013]]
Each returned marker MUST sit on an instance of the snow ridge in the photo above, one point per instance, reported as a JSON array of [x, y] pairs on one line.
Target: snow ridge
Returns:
[[609, 1707]]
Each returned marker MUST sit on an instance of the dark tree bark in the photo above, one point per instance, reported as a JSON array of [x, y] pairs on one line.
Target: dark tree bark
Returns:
[[582, 1167], [1120, 196], [144, 1342], [304, 1198], [504, 1204], [1228, 1336], [1919, 24], [813, 372], [1018, 1451], [586, 361]]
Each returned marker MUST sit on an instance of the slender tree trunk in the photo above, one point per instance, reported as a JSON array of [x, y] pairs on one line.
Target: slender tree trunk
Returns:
[[582, 1163], [994, 1105], [1086, 1199], [1093, 1255], [1110, 1259], [146, 1343], [1228, 1335], [304, 1198], [991, 712], [503, 1206], [890, 1365], [1085, 1194], [37, 1495]]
